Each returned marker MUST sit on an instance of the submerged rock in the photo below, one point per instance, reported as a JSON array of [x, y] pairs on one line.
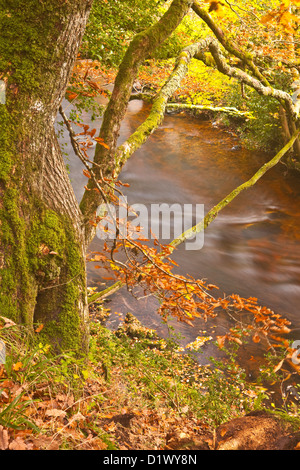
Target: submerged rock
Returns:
[[133, 328]]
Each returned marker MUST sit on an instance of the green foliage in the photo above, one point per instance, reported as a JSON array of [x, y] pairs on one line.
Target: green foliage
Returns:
[[30, 364], [156, 372], [190, 30], [264, 131], [112, 24]]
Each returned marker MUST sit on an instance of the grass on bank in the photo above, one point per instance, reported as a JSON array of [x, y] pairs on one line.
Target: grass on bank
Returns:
[[135, 391]]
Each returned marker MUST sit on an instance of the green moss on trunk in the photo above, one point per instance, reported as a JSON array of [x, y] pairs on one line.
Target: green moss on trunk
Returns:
[[61, 270], [15, 302]]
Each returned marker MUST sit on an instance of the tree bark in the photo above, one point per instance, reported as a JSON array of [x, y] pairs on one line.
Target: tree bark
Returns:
[[42, 249]]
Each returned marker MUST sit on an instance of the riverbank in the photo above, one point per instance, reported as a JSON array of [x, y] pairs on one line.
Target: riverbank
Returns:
[[135, 392]]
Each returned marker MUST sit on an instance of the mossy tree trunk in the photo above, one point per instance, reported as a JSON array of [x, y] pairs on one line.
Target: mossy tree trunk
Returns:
[[42, 249]]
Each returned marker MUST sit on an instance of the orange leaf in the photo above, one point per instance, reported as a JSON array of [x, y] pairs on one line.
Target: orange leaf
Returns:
[[39, 328], [71, 95], [256, 338], [221, 340], [17, 366], [86, 173], [101, 142]]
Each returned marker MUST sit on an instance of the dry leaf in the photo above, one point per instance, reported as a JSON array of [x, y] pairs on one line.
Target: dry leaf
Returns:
[[98, 444], [8, 322], [3, 438], [18, 444], [221, 340], [78, 417], [44, 249], [55, 413], [279, 365], [44, 442]]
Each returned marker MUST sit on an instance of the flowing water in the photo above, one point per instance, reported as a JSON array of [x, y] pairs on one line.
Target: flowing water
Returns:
[[252, 248]]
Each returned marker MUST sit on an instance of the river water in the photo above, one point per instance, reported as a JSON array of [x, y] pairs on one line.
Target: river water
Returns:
[[251, 249]]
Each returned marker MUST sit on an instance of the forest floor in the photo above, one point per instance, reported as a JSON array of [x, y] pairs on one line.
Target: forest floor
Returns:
[[135, 392]]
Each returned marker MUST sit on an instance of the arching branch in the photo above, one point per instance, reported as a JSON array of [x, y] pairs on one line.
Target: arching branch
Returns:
[[212, 214]]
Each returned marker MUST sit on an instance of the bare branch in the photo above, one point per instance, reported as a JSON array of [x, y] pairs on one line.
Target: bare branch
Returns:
[[284, 98]]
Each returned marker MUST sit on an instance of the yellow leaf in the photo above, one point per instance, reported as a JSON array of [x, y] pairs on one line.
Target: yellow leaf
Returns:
[[17, 366]]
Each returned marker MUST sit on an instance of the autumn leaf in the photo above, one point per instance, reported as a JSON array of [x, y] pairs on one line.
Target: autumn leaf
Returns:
[[221, 340], [236, 340], [278, 367], [281, 329], [18, 444], [44, 249], [101, 142], [72, 95], [4, 439], [256, 338], [214, 6], [212, 286], [86, 173], [39, 328], [55, 413], [17, 366]]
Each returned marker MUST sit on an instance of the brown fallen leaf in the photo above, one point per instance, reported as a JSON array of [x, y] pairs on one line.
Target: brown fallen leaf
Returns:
[[279, 365], [44, 442], [4, 439], [67, 400], [55, 413], [8, 322], [77, 418], [17, 366], [18, 444], [256, 338]]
